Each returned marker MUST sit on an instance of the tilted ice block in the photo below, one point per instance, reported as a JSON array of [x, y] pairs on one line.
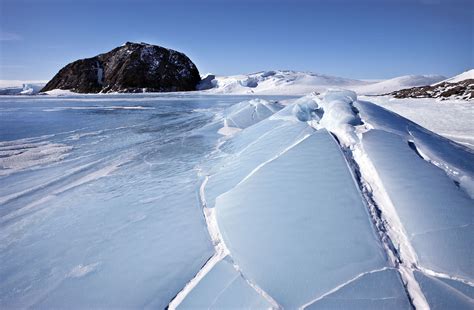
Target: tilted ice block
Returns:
[[455, 159], [304, 109], [445, 293], [434, 212], [249, 149], [297, 227], [376, 290], [383, 119], [223, 288], [436, 146]]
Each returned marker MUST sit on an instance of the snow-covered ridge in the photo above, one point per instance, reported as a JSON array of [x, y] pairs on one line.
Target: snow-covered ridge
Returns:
[[276, 82], [390, 85], [300, 83], [467, 75]]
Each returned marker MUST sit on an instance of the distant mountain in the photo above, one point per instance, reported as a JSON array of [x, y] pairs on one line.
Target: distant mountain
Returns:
[[458, 87], [132, 67]]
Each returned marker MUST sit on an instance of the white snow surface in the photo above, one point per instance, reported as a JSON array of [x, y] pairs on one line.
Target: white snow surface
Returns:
[[286, 82], [467, 75], [282, 82], [398, 83]]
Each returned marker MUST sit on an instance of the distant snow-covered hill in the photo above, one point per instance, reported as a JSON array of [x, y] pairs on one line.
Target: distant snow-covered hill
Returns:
[[466, 75], [458, 87], [287, 82], [390, 85]]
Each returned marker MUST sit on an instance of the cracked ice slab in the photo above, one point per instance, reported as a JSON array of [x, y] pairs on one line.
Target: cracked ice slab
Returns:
[[374, 290], [456, 160], [435, 213], [297, 227], [223, 287], [249, 149], [445, 293]]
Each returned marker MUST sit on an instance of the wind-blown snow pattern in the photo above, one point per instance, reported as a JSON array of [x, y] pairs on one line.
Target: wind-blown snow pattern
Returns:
[[205, 201]]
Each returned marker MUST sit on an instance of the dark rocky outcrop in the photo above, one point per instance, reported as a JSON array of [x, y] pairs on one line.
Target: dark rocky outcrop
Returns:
[[459, 90], [133, 67]]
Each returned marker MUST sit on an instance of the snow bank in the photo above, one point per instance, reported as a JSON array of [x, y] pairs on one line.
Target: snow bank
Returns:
[[60, 92]]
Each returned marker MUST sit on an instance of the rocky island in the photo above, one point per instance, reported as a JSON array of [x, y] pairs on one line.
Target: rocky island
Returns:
[[130, 68]]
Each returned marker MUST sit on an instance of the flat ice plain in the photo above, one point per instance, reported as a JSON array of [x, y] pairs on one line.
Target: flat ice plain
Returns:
[[208, 201]]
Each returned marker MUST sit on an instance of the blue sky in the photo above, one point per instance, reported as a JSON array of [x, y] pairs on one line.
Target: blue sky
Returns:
[[357, 39]]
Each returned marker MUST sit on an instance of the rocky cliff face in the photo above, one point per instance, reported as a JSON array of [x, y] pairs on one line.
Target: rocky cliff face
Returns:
[[458, 90], [133, 67]]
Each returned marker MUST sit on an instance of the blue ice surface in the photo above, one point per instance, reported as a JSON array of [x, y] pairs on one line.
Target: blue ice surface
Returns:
[[244, 152], [376, 290], [456, 159], [116, 222], [303, 210], [445, 293], [436, 214], [223, 288]]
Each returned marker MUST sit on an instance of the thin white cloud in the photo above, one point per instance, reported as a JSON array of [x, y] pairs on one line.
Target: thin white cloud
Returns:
[[10, 36]]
